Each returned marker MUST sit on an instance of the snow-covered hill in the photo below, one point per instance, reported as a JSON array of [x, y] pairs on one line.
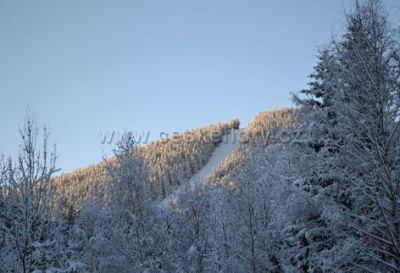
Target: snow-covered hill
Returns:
[[229, 144]]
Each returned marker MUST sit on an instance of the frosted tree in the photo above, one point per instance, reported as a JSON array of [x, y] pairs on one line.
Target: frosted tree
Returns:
[[194, 206], [357, 160], [118, 224], [28, 219], [368, 108]]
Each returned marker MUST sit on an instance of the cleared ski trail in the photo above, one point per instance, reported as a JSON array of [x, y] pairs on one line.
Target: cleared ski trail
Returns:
[[229, 144]]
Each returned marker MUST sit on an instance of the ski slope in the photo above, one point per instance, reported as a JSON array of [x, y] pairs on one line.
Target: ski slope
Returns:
[[229, 144]]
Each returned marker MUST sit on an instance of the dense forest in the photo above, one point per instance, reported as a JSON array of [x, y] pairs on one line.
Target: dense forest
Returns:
[[311, 189]]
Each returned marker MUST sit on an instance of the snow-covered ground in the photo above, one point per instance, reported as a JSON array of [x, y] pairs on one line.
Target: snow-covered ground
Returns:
[[229, 144]]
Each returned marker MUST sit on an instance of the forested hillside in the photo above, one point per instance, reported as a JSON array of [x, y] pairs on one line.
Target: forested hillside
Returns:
[[310, 189], [169, 163], [265, 129]]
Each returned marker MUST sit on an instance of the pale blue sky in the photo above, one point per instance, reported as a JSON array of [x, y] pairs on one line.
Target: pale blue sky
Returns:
[[86, 67]]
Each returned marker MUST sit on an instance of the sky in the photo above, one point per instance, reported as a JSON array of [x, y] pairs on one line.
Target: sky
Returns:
[[90, 68]]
